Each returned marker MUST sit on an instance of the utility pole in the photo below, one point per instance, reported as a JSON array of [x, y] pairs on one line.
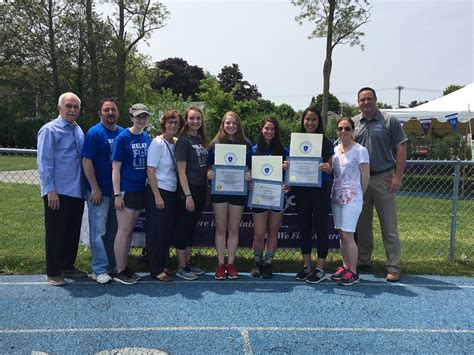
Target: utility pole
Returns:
[[399, 88]]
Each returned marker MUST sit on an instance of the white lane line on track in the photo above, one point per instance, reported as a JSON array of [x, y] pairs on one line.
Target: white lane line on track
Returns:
[[253, 282], [240, 329], [246, 339]]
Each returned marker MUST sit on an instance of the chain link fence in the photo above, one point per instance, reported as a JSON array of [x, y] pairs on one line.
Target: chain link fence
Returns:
[[435, 220]]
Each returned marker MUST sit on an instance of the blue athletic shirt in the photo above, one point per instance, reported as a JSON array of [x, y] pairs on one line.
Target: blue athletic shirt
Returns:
[[131, 150], [98, 147], [268, 151]]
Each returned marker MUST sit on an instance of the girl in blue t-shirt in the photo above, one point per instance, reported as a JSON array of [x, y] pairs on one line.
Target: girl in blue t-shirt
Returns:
[[128, 179], [267, 222], [228, 209]]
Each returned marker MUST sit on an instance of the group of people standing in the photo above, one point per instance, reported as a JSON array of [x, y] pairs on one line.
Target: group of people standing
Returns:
[[126, 171]]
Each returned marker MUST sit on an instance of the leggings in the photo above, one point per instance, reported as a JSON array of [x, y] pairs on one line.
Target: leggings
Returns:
[[186, 221], [313, 205]]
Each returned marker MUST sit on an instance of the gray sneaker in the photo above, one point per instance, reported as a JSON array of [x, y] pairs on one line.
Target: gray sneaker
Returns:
[[123, 278], [185, 273], [194, 269], [316, 276], [303, 274]]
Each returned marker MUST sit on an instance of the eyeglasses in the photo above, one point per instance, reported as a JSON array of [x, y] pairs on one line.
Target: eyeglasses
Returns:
[[345, 129], [172, 123]]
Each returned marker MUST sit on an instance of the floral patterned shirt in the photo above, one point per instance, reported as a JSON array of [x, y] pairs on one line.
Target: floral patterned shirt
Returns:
[[347, 186]]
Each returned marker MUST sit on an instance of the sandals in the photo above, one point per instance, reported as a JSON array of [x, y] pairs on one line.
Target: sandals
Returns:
[[163, 277]]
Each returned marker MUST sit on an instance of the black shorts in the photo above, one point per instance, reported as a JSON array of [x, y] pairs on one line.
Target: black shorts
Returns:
[[263, 210], [235, 200], [134, 200]]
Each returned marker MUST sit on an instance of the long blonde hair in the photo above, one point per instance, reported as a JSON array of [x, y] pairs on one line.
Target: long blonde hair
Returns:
[[221, 136]]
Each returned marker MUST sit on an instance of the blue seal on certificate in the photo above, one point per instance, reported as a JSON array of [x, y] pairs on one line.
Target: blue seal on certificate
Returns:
[[266, 169], [306, 147], [230, 158]]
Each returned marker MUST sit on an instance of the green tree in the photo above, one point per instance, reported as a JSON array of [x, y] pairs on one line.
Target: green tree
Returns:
[[349, 110], [338, 21], [452, 88], [231, 80], [333, 104], [285, 112], [176, 74], [216, 103], [383, 105], [415, 103], [133, 21]]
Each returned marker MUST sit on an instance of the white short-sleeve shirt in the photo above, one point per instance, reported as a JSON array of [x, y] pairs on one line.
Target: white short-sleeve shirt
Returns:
[[347, 187], [161, 157]]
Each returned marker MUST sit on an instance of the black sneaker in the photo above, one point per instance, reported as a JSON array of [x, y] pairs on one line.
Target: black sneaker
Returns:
[[303, 274], [194, 269], [338, 274], [267, 271], [349, 278], [74, 273], [316, 276], [257, 270], [131, 274], [185, 273], [123, 278]]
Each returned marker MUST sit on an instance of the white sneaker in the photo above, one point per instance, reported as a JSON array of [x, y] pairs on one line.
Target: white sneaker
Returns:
[[102, 278]]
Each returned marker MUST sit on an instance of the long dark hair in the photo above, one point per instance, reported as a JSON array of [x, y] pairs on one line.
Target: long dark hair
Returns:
[[320, 128], [275, 145], [327, 149]]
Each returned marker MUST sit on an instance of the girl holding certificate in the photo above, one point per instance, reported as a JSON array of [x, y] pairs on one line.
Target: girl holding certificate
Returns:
[[191, 162], [228, 209], [313, 205], [267, 222], [160, 194], [351, 177]]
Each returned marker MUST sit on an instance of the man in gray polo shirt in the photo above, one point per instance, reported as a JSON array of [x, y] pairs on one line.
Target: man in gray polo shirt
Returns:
[[385, 140]]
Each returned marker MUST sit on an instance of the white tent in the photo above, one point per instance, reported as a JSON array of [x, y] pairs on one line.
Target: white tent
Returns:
[[459, 103]]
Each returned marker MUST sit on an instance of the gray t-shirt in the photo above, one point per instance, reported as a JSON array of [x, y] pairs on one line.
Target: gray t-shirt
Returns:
[[190, 150], [381, 136]]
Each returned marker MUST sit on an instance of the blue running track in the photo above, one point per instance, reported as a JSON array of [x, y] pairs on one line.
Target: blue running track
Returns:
[[423, 314]]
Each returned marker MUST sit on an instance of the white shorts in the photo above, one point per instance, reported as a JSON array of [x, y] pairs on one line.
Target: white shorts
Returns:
[[346, 216]]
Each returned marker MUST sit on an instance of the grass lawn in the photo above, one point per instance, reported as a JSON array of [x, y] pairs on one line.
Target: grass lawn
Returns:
[[17, 162], [424, 225]]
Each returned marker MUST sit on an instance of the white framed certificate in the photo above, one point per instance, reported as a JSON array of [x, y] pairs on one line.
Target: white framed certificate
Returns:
[[265, 167], [303, 171], [229, 180], [307, 145], [267, 194], [230, 154]]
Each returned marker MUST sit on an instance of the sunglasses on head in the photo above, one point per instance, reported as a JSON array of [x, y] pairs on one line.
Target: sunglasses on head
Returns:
[[347, 129]]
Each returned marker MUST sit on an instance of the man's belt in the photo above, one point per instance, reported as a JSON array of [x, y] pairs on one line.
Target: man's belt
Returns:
[[372, 173]]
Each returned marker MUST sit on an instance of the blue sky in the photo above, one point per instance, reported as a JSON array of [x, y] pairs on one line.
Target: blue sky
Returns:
[[421, 45]]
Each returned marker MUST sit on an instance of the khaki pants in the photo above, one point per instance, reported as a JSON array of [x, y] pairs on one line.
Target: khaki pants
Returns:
[[379, 195]]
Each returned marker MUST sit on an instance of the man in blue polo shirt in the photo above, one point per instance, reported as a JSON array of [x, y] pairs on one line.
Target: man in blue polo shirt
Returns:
[[96, 160], [61, 182]]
